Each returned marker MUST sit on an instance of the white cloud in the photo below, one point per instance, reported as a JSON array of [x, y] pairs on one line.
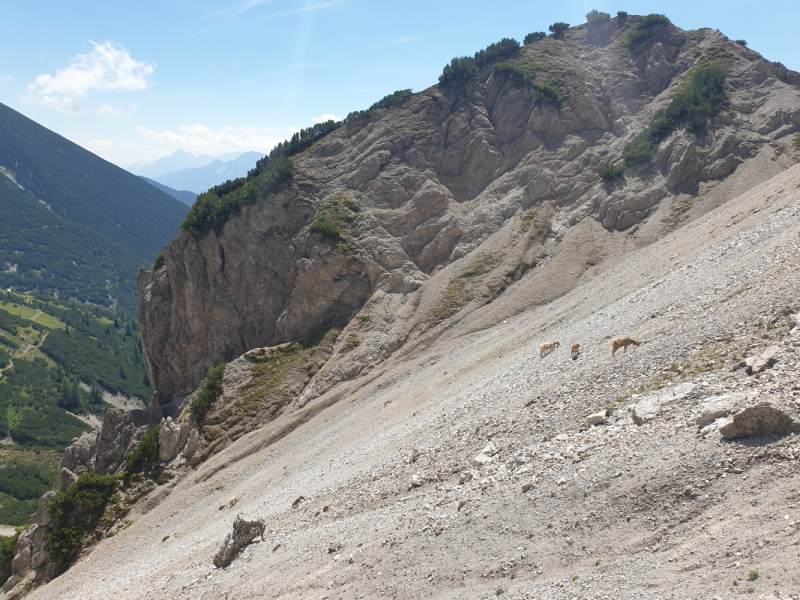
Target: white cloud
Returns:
[[327, 117], [5, 80], [99, 143], [200, 139], [110, 111], [108, 67]]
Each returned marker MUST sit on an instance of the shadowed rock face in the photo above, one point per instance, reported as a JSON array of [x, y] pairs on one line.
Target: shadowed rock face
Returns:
[[437, 178]]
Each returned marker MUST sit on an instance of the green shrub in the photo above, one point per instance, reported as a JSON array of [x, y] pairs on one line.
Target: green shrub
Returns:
[[505, 48], [62, 543], [643, 30], [741, 42], [534, 37], [558, 29], [622, 15], [209, 392], [398, 98], [326, 229], [514, 72], [703, 95], [594, 16], [611, 171], [548, 92], [7, 547], [212, 209], [87, 495], [145, 452], [159, 262], [796, 143], [459, 70]]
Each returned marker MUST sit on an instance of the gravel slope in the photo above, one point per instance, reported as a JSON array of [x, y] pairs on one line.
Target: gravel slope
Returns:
[[394, 506]]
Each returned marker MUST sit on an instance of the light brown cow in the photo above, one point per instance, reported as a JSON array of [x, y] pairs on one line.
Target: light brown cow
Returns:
[[622, 342], [576, 348], [547, 347]]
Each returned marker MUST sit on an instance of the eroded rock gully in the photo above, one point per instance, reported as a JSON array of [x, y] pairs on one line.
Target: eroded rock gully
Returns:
[[451, 172]]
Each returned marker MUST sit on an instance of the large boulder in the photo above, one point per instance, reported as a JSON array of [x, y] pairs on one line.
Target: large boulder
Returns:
[[172, 438], [756, 421], [716, 407], [244, 532]]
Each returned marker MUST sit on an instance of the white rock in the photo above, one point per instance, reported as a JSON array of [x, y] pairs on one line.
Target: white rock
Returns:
[[716, 407]]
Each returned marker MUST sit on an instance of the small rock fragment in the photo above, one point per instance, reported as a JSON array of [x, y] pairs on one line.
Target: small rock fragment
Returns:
[[716, 407]]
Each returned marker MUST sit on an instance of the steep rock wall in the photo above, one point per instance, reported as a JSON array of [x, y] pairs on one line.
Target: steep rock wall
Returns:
[[438, 177]]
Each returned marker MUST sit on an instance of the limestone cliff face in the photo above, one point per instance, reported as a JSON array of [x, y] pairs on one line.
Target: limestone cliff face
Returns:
[[445, 181]]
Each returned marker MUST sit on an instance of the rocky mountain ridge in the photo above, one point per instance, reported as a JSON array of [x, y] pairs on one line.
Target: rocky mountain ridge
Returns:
[[474, 468], [432, 183], [406, 438]]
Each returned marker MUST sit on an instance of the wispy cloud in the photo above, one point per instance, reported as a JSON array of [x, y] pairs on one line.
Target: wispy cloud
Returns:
[[108, 67], [200, 139], [110, 111], [302, 9], [244, 7], [5, 80], [327, 117]]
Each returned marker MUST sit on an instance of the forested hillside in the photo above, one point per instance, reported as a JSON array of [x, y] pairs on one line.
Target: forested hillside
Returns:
[[57, 360], [75, 225]]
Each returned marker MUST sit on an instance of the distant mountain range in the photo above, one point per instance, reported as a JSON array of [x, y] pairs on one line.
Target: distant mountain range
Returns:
[[184, 196], [74, 224], [200, 179], [178, 161]]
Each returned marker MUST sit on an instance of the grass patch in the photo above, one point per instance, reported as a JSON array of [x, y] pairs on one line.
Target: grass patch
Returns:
[[796, 142], [351, 343], [461, 289], [209, 392], [326, 229]]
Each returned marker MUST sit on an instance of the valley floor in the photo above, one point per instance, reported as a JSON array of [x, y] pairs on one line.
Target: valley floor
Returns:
[[380, 493]]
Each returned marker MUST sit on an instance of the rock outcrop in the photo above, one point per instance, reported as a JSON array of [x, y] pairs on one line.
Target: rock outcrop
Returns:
[[244, 532], [434, 181]]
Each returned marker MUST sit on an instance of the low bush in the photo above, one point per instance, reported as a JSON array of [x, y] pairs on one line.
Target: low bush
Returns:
[[145, 452], [459, 70], [611, 172], [62, 543], [534, 37], [208, 393], [796, 143], [594, 16], [505, 48], [398, 98], [643, 30], [548, 92], [514, 72], [212, 209], [558, 29], [7, 546], [159, 261], [703, 95], [326, 229], [741, 42], [88, 494], [622, 15]]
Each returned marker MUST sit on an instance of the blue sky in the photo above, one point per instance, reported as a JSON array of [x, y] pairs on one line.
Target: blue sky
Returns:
[[133, 81]]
